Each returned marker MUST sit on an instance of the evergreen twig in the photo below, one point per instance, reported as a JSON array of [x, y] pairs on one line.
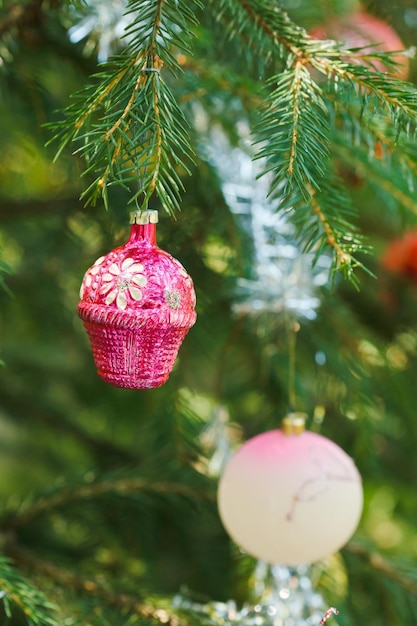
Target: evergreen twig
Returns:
[[98, 590], [16, 593], [382, 565], [124, 487], [129, 128], [295, 127]]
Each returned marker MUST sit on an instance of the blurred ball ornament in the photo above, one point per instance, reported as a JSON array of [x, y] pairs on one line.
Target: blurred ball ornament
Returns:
[[400, 257], [137, 304], [362, 30], [290, 496]]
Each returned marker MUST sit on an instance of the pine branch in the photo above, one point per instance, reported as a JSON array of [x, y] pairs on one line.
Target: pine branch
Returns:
[[266, 25], [122, 487], [18, 595], [129, 128], [326, 221], [392, 580], [379, 94], [98, 591], [296, 122], [294, 132]]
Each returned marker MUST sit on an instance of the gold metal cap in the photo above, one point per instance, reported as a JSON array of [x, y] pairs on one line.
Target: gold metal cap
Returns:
[[150, 216], [294, 423]]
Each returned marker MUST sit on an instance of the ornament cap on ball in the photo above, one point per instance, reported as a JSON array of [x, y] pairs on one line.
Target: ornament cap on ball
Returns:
[[150, 216], [294, 423], [290, 496], [137, 304]]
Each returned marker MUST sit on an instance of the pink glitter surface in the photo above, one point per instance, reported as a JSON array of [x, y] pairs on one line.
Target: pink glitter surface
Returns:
[[137, 304]]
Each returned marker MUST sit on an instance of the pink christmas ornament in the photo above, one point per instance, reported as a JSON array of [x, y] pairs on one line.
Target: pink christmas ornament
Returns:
[[137, 304], [363, 30], [290, 496]]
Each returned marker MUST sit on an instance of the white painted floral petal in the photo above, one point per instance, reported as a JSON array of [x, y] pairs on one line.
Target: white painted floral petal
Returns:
[[108, 277], [111, 297], [106, 288], [136, 268], [113, 269], [99, 260], [88, 280], [121, 300], [139, 279], [127, 263], [82, 290], [135, 293], [94, 270]]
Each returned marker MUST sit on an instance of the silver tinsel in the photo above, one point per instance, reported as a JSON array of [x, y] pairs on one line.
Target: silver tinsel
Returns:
[[284, 597], [216, 440], [102, 24], [283, 278]]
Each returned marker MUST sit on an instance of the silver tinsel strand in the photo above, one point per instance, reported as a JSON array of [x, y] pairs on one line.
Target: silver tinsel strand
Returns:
[[283, 278], [285, 597]]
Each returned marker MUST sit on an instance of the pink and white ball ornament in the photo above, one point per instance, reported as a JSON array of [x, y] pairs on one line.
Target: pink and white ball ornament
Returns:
[[290, 496]]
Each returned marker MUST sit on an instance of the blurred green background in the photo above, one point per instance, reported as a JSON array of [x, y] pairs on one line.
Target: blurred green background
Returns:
[[62, 429]]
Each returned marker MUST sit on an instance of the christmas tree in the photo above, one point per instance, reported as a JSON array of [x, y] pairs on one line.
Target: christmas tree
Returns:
[[277, 142]]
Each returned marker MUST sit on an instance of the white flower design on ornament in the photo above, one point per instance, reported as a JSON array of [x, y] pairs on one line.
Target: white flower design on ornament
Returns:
[[123, 280], [90, 275]]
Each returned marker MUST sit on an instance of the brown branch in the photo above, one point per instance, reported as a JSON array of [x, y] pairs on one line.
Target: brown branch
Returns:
[[101, 96], [343, 258], [157, 143], [296, 116], [140, 82], [120, 487]]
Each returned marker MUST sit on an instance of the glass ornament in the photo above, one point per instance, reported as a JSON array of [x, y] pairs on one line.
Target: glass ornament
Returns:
[[360, 29], [290, 496], [137, 304]]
